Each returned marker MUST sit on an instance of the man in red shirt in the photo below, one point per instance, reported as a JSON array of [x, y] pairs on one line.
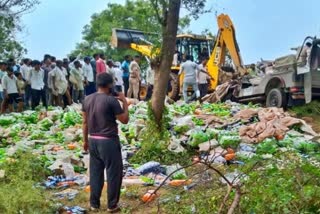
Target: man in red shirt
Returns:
[[101, 65]]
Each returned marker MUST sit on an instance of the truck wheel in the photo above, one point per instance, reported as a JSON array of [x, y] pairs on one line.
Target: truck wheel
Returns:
[[174, 87], [276, 98]]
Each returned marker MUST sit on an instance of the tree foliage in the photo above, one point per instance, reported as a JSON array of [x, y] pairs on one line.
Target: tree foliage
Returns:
[[134, 14], [10, 14]]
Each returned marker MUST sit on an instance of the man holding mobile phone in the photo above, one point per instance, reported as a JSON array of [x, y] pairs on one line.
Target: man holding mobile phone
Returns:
[[100, 132]]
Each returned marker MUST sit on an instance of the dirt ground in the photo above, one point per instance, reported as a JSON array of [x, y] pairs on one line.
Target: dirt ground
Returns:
[[130, 201]]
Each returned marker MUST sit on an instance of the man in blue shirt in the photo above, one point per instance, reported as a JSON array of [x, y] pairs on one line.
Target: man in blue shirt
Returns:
[[125, 67]]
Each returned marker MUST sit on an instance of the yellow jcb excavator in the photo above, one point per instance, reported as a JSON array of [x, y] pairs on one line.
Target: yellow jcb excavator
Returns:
[[189, 44]]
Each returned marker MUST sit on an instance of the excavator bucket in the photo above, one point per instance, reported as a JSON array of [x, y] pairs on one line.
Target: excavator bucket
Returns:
[[122, 38]]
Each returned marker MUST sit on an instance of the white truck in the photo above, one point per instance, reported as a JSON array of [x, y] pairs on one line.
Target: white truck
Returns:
[[291, 82]]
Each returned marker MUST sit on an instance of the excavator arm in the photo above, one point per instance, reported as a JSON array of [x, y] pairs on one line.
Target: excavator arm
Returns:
[[132, 39], [226, 40]]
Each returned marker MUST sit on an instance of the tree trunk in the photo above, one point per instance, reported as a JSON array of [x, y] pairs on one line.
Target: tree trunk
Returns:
[[162, 70]]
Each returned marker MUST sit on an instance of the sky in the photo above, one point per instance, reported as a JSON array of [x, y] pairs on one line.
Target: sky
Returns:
[[265, 29]]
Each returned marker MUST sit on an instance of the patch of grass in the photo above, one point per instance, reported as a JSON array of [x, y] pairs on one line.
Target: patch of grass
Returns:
[[18, 189], [204, 198], [307, 110]]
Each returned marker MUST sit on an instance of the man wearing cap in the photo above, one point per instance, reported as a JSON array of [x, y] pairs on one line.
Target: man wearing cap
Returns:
[[88, 77]]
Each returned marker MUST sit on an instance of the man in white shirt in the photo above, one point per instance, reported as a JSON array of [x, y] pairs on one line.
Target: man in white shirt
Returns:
[[25, 70], [11, 92], [36, 79], [3, 71], [189, 68], [88, 76], [66, 97], [117, 74], [203, 77], [77, 78], [58, 83]]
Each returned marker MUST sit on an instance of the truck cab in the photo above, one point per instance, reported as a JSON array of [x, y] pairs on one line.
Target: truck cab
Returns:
[[288, 82]]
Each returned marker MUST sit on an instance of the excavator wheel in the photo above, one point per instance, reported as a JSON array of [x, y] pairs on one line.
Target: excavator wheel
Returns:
[[143, 92], [174, 87]]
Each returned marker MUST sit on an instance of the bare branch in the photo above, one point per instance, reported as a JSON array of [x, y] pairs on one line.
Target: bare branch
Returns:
[[169, 176], [236, 200], [16, 7], [226, 197], [3, 5], [219, 173]]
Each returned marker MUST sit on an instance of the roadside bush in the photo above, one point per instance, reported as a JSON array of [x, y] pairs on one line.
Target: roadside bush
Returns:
[[18, 189], [286, 186]]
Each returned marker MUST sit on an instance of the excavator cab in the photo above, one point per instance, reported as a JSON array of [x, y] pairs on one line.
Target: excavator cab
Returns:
[[197, 46]]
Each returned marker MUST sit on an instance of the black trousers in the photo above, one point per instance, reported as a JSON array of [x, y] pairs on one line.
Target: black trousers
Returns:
[[150, 91], [90, 88], [105, 154], [27, 96], [36, 96], [126, 84], [203, 88]]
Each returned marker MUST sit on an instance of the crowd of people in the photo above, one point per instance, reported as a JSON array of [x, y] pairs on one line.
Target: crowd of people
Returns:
[[53, 82]]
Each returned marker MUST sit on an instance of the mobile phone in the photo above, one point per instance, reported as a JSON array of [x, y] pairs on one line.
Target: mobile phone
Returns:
[[113, 92]]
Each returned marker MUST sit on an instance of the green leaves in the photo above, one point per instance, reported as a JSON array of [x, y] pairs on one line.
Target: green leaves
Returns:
[[6, 120], [181, 129], [291, 188], [132, 15], [268, 146], [71, 118], [11, 12], [218, 109], [198, 138]]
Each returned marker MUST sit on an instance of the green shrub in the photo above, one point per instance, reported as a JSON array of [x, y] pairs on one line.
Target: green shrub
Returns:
[[290, 187], [18, 189]]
